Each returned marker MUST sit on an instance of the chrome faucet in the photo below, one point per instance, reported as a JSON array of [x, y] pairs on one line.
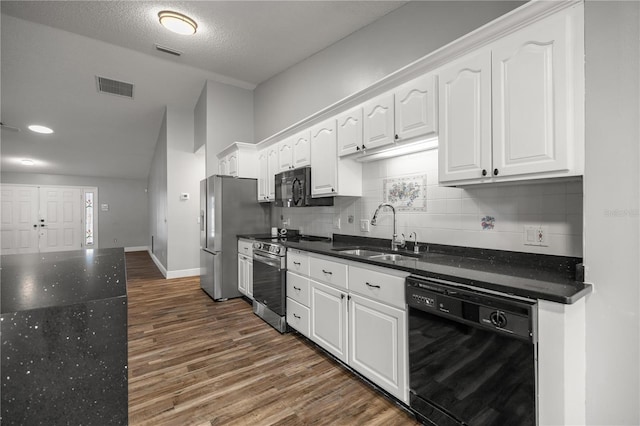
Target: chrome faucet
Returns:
[[394, 240]]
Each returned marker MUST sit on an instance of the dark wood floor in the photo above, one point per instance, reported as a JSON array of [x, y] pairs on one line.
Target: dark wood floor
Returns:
[[193, 361]]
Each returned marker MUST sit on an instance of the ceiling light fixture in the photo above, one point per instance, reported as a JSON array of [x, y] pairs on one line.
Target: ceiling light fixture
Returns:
[[27, 162], [177, 22], [40, 129]]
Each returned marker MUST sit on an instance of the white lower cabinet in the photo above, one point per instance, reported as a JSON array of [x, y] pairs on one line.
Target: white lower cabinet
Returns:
[[356, 312], [329, 319], [378, 344], [245, 275]]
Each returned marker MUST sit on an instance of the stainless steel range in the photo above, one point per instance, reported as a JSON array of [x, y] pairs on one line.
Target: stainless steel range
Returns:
[[270, 277], [269, 283]]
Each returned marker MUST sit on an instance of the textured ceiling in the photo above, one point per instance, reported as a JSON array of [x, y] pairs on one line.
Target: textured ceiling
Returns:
[[247, 40], [52, 52]]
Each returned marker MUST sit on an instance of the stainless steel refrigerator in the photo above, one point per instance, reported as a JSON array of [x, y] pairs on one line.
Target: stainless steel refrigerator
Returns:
[[228, 207]]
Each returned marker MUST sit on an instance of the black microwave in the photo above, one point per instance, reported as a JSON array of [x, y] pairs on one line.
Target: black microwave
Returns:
[[293, 189]]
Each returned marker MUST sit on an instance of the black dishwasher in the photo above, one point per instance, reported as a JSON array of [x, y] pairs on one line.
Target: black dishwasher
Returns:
[[472, 355]]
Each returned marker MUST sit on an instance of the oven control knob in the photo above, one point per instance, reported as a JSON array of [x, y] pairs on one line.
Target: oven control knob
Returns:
[[499, 319]]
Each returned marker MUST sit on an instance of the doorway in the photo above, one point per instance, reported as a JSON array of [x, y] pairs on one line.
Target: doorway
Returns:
[[38, 219]]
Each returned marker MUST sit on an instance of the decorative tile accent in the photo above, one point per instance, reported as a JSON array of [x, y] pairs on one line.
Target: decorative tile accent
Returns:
[[407, 193], [488, 222]]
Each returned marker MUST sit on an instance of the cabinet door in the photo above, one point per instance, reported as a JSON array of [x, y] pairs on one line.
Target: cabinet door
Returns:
[[249, 275], [329, 319], [263, 176], [285, 155], [464, 110], [223, 166], [378, 346], [378, 121], [324, 160], [530, 103], [302, 149], [349, 128], [415, 108], [232, 164], [272, 170], [242, 272]]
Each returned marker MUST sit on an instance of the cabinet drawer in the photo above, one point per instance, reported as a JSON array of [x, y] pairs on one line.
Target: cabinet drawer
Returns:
[[298, 262], [378, 286], [328, 271], [298, 316], [245, 247], [298, 288]]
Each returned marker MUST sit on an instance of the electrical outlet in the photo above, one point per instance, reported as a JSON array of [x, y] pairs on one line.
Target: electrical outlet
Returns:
[[543, 236], [536, 235], [364, 225], [336, 222]]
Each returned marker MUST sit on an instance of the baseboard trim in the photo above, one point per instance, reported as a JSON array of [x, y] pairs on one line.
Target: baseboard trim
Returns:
[[138, 248], [182, 273], [158, 264]]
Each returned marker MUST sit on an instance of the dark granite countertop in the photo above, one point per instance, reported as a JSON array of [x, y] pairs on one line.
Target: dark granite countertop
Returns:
[[64, 338], [533, 276], [30, 281]]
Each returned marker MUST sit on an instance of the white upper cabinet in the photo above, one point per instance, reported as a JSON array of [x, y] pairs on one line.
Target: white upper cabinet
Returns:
[[263, 173], [295, 151], [416, 108], [378, 121], [285, 155], [464, 141], [515, 110], [302, 149], [324, 176], [272, 170], [531, 112], [350, 131], [267, 169], [223, 166], [238, 159]]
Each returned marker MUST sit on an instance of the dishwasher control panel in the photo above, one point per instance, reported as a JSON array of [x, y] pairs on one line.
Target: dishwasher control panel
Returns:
[[484, 310]]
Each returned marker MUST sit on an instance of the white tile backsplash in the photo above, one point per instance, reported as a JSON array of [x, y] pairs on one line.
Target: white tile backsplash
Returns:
[[454, 215]]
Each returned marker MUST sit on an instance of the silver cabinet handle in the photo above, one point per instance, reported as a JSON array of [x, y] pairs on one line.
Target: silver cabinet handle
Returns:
[[372, 285]]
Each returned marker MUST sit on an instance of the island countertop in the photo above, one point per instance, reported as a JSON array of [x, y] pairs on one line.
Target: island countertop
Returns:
[[64, 338]]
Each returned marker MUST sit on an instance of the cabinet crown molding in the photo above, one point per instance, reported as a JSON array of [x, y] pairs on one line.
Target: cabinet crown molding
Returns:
[[527, 14]]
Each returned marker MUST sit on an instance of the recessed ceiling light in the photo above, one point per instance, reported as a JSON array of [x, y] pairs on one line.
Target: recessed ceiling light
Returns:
[[27, 162], [177, 22], [40, 129]]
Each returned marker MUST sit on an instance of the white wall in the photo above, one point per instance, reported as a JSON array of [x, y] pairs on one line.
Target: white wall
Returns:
[[366, 56], [229, 118], [453, 215], [184, 172], [612, 211], [157, 184], [125, 224]]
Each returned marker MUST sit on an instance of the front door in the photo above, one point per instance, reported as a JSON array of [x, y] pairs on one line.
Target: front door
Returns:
[[41, 219], [60, 218], [20, 229]]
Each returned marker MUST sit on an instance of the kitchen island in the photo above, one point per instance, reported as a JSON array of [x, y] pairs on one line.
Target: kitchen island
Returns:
[[64, 338]]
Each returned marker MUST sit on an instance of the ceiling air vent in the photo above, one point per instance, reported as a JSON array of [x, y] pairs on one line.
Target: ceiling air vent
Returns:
[[168, 50], [114, 87]]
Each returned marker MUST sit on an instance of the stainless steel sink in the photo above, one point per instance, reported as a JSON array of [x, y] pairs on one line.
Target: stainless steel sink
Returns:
[[391, 257], [362, 252]]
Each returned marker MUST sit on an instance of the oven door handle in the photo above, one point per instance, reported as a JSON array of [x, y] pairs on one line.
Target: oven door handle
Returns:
[[269, 260]]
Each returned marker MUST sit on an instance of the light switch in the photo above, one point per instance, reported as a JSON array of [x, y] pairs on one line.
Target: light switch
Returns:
[[364, 225], [530, 235]]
